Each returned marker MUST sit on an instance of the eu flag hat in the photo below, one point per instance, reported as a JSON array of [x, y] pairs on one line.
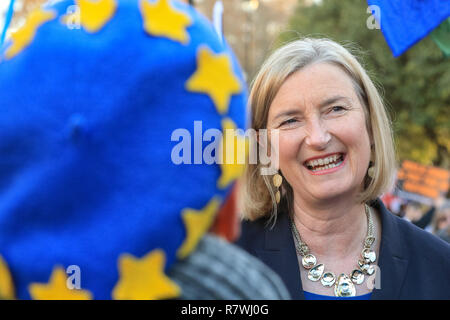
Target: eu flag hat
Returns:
[[106, 178]]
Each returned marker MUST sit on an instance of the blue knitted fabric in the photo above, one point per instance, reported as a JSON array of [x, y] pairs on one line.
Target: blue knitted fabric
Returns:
[[405, 22], [85, 146]]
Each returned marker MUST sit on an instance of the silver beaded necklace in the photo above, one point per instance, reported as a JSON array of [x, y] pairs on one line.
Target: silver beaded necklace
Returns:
[[344, 285]]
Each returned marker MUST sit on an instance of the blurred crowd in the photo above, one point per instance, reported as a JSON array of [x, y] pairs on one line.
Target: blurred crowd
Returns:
[[434, 218]]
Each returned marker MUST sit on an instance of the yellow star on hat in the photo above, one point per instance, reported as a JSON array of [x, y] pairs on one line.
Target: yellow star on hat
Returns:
[[232, 154], [144, 279], [161, 19], [197, 223], [94, 14], [6, 282], [25, 35], [215, 77], [57, 289]]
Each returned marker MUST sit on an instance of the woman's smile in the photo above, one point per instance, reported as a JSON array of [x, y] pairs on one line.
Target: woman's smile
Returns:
[[325, 164]]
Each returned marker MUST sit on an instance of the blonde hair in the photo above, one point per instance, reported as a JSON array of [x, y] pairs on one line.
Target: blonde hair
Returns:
[[257, 196]]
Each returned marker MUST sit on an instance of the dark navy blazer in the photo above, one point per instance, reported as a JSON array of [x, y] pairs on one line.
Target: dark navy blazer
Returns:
[[414, 264]]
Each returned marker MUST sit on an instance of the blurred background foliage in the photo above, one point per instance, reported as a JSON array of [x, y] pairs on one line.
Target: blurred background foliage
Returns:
[[415, 86]]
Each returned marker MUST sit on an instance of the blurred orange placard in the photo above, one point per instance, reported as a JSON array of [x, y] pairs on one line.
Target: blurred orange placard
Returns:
[[423, 180]]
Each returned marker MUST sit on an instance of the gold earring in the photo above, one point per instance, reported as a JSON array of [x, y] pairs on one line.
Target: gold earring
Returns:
[[371, 170], [277, 181]]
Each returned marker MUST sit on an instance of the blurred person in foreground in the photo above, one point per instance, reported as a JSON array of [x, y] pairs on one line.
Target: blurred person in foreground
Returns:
[[318, 221], [92, 203]]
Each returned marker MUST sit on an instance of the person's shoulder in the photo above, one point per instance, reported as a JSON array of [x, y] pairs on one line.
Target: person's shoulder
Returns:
[[251, 236], [415, 240], [423, 243], [257, 225], [201, 275]]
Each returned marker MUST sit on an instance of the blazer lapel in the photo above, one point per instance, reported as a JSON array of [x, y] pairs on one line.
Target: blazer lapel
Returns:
[[393, 261], [279, 254]]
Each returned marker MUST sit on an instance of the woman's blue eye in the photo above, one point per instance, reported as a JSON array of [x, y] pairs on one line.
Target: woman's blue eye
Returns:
[[288, 121], [337, 108]]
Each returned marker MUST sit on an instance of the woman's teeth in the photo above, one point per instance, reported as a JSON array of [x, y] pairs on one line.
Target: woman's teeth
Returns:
[[325, 163]]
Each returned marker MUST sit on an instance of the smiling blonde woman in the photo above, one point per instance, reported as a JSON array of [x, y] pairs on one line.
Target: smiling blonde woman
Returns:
[[318, 222]]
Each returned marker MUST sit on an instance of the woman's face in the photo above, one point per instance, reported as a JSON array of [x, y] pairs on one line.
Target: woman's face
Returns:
[[324, 145]]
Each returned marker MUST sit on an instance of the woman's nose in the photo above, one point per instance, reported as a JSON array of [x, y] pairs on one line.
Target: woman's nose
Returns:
[[317, 136]]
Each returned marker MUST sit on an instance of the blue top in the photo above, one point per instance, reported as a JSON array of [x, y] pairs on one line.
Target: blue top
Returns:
[[313, 296]]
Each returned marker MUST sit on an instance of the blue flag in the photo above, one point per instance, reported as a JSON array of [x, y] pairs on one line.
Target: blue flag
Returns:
[[405, 22]]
